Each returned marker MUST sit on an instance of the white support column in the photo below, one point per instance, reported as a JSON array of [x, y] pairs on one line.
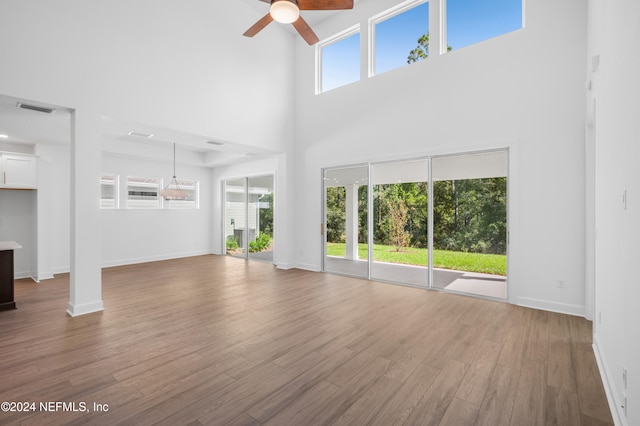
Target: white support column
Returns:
[[351, 228], [85, 292]]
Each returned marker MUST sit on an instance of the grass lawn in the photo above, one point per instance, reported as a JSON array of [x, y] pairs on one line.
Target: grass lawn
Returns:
[[456, 260]]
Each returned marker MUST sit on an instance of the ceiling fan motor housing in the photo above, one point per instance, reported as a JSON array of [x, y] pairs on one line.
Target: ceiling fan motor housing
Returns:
[[285, 11]]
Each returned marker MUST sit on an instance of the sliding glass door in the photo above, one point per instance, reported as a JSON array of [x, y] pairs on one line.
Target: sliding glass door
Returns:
[[261, 203], [345, 220], [470, 223], [249, 217], [400, 222], [235, 217], [438, 222]]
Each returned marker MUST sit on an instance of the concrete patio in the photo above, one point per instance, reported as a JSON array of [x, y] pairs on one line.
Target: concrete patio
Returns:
[[487, 285]]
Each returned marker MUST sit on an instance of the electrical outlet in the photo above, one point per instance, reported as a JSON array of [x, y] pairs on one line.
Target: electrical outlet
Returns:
[[560, 283], [624, 404], [624, 376]]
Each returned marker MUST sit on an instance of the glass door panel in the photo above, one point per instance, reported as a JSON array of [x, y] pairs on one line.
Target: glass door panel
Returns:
[[345, 221], [260, 218], [235, 224], [470, 223], [400, 222]]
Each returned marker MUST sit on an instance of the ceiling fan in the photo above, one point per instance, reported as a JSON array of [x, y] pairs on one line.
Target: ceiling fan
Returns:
[[288, 12]]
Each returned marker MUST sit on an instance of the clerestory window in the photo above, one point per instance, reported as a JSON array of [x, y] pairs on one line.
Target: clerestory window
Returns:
[[473, 21], [338, 60], [399, 36]]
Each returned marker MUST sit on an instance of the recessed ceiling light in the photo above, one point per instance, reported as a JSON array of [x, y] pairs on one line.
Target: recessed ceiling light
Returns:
[[215, 143], [140, 134], [4, 136]]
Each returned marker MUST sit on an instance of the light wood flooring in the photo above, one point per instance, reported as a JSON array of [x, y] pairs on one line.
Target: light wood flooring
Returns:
[[215, 340]]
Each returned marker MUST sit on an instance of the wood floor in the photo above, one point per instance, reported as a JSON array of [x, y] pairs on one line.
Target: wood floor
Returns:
[[215, 340]]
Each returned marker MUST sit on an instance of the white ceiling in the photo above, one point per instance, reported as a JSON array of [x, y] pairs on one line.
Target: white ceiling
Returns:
[[29, 127], [26, 129]]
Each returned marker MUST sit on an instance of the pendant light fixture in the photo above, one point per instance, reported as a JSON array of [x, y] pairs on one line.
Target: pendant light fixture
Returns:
[[172, 191]]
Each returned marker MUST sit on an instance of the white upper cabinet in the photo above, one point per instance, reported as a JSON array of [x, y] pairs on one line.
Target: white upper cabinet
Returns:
[[19, 171]]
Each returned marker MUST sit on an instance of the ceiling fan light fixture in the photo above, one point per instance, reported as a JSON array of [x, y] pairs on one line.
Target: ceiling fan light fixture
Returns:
[[284, 11]]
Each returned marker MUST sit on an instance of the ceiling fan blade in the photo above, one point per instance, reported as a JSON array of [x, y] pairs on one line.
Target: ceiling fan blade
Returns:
[[258, 26], [325, 4], [305, 31]]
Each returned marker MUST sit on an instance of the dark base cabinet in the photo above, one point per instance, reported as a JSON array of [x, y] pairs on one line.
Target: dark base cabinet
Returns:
[[6, 280]]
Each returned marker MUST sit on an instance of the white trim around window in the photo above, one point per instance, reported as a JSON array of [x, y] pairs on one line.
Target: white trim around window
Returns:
[[326, 42], [380, 17]]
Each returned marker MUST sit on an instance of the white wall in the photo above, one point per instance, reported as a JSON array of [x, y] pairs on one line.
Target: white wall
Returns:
[[39, 219], [53, 210], [129, 235], [182, 66], [18, 223], [141, 235], [524, 90], [614, 38]]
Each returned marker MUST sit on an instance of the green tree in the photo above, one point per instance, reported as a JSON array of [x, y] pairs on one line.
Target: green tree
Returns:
[[469, 215], [398, 212], [336, 214], [336, 211], [266, 215], [422, 50]]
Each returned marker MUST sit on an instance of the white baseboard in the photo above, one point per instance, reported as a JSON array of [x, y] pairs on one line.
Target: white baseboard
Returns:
[[46, 276], [21, 274], [61, 270], [122, 262], [281, 265], [305, 266], [615, 406], [84, 309], [546, 305]]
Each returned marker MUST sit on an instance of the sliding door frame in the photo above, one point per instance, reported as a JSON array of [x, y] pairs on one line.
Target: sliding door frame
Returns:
[[245, 235], [430, 216]]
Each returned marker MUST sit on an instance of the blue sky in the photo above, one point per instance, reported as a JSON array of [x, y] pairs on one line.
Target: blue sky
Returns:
[[468, 22]]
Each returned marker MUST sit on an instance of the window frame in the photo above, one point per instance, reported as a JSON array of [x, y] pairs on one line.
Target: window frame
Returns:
[[444, 30], [344, 34], [116, 190], [181, 204], [381, 17], [158, 197]]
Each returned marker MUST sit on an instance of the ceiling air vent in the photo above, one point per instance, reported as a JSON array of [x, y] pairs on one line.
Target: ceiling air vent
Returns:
[[36, 108], [140, 134]]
